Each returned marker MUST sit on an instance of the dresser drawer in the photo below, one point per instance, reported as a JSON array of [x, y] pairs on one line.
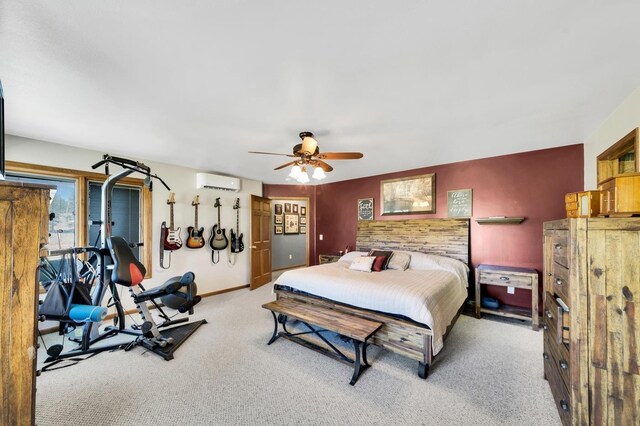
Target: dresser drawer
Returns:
[[505, 278], [572, 206], [556, 324], [571, 197], [555, 354], [571, 214], [558, 389], [560, 283], [560, 248]]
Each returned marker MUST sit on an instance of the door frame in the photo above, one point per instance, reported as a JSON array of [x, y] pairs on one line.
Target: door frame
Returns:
[[276, 197]]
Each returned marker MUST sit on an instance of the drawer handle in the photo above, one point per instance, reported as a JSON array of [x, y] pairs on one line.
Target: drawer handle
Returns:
[[545, 327], [549, 314], [550, 274], [558, 281], [564, 405], [504, 278], [545, 355], [563, 364], [557, 246]]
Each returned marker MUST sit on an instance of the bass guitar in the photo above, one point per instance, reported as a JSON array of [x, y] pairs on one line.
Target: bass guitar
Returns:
[[218, 240], [172, 240], [236, 241], [196, 235]]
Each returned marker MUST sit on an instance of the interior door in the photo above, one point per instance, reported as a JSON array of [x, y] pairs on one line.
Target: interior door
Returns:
[[260, 241]]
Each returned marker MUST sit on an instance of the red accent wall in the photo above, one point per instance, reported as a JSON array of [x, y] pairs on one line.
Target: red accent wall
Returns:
[[530, 184]]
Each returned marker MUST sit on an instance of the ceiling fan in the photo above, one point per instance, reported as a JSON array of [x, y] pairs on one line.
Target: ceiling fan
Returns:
[[307, 154]]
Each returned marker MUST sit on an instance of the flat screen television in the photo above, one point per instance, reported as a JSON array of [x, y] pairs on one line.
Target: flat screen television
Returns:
[[2, 171]]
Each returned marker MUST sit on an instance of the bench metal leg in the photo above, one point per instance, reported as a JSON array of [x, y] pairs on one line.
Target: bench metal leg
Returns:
[[360, 350], [275, 328]]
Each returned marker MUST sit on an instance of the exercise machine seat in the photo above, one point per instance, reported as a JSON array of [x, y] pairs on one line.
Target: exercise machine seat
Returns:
[[127, 270]]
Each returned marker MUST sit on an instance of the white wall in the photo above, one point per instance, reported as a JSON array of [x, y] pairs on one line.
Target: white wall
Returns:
[[621, 121], [182, 181]]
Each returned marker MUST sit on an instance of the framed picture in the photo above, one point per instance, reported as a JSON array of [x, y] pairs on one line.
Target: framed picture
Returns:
[[291, 224], [460, 203], [365, 209], [277, 229], [295, 208], [287, 207], [303, 211], [303, 229], [278, 209], [277, 220], [409, 195], [303, 220]]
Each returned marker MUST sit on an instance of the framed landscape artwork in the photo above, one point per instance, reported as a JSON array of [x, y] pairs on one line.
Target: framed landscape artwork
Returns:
[[409, 195], [291, 224]]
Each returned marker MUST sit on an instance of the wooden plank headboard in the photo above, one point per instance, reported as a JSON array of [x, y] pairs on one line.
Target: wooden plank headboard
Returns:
[[444, 237]]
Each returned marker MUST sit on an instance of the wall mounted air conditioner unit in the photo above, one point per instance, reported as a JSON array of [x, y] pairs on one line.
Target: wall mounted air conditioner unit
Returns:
[[225, 183]]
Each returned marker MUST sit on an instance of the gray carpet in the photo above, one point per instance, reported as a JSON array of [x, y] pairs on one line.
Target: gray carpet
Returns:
[[489, 373]]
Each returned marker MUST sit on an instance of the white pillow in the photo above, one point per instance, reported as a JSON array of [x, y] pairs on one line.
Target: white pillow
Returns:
[[348, 257], [399, 261], [362, 263], [424, 261]]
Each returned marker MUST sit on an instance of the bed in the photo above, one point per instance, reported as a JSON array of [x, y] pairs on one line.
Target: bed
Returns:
[[414, 328]]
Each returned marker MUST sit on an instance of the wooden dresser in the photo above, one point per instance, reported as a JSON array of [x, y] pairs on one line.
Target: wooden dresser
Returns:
[[24, 228], [591, 327]]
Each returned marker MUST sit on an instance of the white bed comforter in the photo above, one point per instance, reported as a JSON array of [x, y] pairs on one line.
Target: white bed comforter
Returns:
[[430, 292]]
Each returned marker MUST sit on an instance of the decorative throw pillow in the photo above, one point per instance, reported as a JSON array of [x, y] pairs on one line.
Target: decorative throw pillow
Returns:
[[362, 264], [399, 261], [378, 264], [386, 254]]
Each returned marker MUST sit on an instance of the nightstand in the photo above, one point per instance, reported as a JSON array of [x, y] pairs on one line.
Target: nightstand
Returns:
[[328, 258], [507, 276]]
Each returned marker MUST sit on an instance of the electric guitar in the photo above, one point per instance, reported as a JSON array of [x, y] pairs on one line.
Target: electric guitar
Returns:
[[236, 241], [196, 235], [172, 240], [218, 240]]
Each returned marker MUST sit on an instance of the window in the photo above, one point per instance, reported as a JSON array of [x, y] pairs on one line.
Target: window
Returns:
[[125, 214], [77, 200], [62, 229]]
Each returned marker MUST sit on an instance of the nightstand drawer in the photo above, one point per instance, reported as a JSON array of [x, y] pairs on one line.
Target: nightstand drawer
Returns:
[[505, 278], [327, 258]]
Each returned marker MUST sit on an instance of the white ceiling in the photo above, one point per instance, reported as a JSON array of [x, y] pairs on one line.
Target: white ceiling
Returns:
[[409, 84]]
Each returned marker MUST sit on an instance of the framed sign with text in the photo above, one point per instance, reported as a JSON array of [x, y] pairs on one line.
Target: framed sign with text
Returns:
[[365, 209]]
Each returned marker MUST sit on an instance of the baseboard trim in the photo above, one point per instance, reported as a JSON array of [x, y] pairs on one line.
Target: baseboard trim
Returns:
[[224, 290], [290, 267]]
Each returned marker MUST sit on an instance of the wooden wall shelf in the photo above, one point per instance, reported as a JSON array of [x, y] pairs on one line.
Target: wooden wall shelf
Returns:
[[499, 220]]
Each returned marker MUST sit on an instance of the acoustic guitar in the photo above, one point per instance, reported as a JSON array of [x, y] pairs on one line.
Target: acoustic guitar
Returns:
[[218, 240], [172, 240], [236, 241], [196, 235]]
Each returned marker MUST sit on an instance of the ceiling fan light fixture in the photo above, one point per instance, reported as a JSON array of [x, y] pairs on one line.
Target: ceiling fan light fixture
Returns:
[[303, 178], [319, 174], [296, 171], [309, 145]]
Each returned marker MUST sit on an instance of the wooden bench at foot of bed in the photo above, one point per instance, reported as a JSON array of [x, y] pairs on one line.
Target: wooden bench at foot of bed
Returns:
[[358, 329], [407, 338]]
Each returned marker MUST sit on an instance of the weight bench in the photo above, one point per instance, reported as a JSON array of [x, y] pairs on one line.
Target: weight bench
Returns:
[[358, 329]]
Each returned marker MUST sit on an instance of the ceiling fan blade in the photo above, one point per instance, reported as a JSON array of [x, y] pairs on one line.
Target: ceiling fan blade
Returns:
[[324, 166], [340, 155], [285, 165], [270, 153]]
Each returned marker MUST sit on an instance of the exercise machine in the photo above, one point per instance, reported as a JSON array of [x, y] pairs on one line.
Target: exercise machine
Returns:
[[77, 295]]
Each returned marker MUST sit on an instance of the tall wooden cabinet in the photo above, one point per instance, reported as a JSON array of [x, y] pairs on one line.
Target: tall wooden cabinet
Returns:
[[590, 321], [24, 227]]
